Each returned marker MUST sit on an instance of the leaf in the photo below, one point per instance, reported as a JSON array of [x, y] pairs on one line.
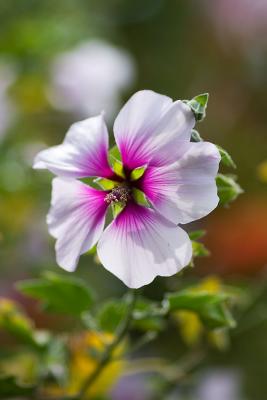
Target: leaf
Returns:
[[137, 173], [114, 152], [117, 209], [195, 235], [117, 167], [9, 387], [140, 197], [198, 105], [228, 189], [199, 250], [195, 136], [211, 307], [59, 293], [15, 322], [105, 184], [111, 314], [226, 159]]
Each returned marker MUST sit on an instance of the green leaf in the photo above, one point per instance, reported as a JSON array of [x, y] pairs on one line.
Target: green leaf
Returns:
[[195, 235], [148, 316], [198, 105], [59, 293], [10, 388], [117, 208], [114, 153], [105, 184], [228, 189], [195, 136], [111, 314], [199, 250], [138, 173], [211, 307], [226, 159], [117, 167], [139, 197]]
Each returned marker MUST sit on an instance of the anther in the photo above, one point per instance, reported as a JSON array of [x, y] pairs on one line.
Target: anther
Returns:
[[120, 194]]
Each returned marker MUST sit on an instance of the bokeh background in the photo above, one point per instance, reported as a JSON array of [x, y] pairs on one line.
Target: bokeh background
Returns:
[[66, 60]]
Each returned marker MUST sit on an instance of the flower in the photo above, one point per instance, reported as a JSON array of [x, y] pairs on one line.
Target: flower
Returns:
[[90, 78], [176, 176]]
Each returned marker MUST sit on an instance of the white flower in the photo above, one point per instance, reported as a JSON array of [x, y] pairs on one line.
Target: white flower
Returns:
[[178, 180], [91, 78]]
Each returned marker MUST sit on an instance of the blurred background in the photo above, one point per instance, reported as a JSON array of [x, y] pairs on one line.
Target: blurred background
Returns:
[[66, 60]]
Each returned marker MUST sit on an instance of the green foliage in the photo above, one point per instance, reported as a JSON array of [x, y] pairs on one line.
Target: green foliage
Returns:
[[59, 293], [11, 388], [195, 235], [199, 249], [138, 173], [212, 308], [198, 105], [226, 159], [228, 188]]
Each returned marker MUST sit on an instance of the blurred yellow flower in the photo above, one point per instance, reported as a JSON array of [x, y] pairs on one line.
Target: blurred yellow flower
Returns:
[[191, 326], [84, 352], [262, 171]]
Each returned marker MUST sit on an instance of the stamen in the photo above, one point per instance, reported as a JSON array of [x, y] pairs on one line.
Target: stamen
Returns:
[[120, 194]]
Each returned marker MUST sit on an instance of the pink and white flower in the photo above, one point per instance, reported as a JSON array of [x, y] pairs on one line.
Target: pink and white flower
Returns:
[[152, 133]]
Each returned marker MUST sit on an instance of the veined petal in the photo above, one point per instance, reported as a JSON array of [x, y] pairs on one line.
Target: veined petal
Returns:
[[140, 244], [83, 153], [186, 190], [76, 219], [150, 127]]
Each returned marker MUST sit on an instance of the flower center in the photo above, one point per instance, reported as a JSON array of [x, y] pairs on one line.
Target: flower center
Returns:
[[120, 194]]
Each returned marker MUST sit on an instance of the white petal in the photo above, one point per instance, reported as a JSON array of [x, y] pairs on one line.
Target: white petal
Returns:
[[149, 128], [186, 190], [140, 244], [83, 152], [76, 219]]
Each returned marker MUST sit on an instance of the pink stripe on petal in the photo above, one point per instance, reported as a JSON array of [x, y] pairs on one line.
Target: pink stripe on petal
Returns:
[[76, 219], [150, 128], [83, 153], [140, 245], [186, 190]]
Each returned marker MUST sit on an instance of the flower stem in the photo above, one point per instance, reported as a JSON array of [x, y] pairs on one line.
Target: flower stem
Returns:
[[108, 353]]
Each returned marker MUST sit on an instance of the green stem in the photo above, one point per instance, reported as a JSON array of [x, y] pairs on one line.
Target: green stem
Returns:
[[108, 353]]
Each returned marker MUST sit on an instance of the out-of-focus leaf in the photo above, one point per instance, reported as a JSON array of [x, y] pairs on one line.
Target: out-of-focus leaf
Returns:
[[59, 293], [211, 307], [195, 235], [14, 321], [148, 316], [10, 388], [198, 105], [138, 173], [55, 360], [195, 136], [199, 249], [111, 314], [228, 189], [226, 159]]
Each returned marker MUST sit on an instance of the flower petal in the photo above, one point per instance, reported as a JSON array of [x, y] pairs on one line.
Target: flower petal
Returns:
[[140, 244], [76, 219], [150, 127], [186, 190], [83, 153]]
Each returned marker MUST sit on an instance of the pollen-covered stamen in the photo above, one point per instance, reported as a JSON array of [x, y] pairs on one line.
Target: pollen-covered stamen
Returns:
[[120, 194]]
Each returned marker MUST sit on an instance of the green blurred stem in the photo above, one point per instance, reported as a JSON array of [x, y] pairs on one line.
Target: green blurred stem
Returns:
[[108, 353]]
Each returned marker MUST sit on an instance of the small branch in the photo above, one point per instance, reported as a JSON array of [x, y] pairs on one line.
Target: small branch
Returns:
[[107, 355]]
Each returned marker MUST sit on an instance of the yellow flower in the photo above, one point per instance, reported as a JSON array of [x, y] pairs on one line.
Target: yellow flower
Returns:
[[84, 352], [191, 326], [262, 171]]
